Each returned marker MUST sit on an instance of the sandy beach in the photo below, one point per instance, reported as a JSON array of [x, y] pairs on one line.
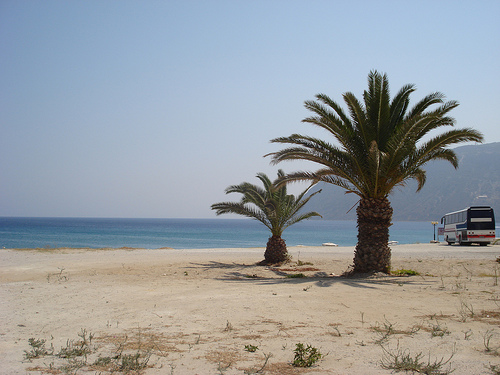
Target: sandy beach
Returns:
[[214, 311]]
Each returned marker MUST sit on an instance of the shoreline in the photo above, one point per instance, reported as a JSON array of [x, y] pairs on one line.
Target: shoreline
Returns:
[[201, 307], [436, 250]]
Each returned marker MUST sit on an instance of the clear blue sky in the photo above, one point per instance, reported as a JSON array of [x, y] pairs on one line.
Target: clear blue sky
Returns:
[[152, 108]]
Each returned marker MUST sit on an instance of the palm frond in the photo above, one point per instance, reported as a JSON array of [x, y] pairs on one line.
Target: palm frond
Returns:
[[240, 209], [435, 148], [377, 104], [429, 100], [380, 140], [271, 205], [323, 175]]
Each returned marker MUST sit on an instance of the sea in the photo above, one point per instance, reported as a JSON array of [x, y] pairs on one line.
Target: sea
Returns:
[[23, 232]]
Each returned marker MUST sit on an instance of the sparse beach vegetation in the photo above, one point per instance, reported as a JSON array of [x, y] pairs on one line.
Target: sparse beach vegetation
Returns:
[[403, 272], [305, 355], [219, 325], [402, 360]]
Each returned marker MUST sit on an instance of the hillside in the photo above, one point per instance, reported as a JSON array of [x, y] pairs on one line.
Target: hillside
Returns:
[[475, 182]]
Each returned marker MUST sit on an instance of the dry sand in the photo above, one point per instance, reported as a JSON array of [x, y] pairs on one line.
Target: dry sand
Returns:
[[194, 311]]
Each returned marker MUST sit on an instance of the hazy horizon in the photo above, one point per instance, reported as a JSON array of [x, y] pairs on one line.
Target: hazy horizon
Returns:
[[151, 109]]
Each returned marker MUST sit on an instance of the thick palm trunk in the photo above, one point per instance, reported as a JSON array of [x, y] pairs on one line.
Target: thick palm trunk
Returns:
[[372, 252], [276, 251]]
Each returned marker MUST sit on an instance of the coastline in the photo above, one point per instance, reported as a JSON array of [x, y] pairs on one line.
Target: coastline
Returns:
[[184, 233], [202, 306]]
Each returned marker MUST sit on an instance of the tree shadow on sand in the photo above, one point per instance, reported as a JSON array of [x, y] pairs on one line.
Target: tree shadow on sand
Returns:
[[252, 273]]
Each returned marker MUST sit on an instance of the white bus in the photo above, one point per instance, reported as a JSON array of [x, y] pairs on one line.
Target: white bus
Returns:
[[471, 225]]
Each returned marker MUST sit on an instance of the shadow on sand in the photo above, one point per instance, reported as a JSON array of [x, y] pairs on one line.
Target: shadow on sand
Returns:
[[243, 273]]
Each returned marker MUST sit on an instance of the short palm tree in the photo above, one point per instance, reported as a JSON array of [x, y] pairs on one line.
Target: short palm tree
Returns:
[[380, 146], [272, 206]]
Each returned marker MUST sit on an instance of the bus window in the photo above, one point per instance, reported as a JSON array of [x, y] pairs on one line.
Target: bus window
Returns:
[[481, 220]]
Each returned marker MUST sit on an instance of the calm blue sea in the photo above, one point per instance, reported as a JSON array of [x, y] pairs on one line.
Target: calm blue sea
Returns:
[[185, 233]]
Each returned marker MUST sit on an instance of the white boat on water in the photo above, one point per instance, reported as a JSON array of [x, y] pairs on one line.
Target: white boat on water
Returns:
[[330, 244]]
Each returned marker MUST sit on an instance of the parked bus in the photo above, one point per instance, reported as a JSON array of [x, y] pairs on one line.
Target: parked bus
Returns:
[[471, 225]]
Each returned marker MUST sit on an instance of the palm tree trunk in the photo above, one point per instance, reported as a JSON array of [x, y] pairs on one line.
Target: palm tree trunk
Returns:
[[372, 252], [276, 251]]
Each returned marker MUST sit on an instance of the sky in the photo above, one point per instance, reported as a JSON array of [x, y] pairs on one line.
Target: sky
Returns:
[[152, 108]]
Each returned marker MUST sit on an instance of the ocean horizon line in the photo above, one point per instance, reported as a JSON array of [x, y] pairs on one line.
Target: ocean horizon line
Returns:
[[180, 218]]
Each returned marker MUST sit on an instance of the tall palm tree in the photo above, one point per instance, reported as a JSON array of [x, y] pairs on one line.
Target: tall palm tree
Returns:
[[272, 206], [381, 144]]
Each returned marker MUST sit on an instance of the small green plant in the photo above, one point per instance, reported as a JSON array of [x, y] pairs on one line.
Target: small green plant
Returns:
[[134, 362], [337, 332], [467, 334], [229, 327], [38, 349], [80, 348], [389, 329], [488, 335], [59, 276], [72, 366], [305, 356], [102, 361], [384, 332], [438, 331], [295, 276], [402, 360], [301, 263], [466, 311], [403, 272], [251, 348]]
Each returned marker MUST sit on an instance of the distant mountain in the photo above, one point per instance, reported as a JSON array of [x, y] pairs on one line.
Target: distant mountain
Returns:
[[475, 182]]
